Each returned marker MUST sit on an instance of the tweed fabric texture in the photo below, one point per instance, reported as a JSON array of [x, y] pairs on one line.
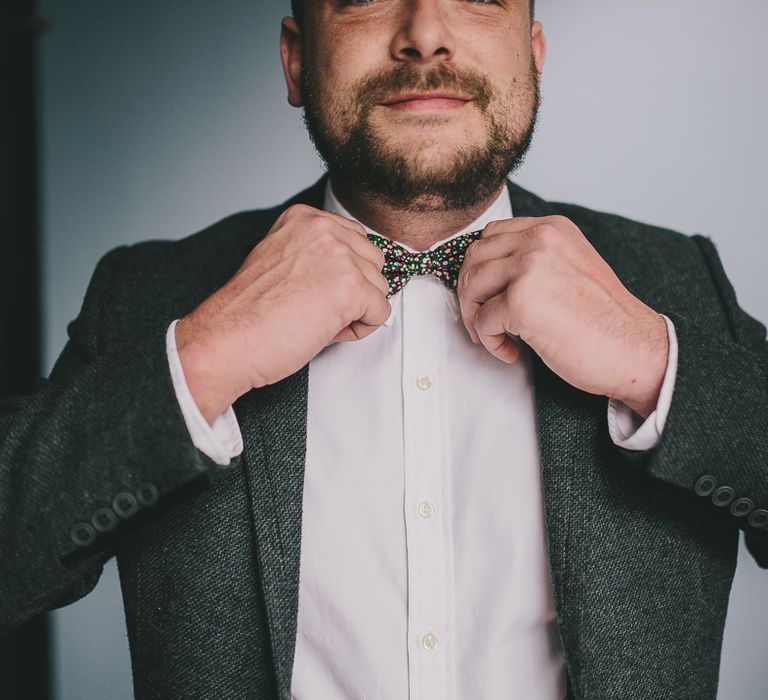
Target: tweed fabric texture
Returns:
[[641, 567]]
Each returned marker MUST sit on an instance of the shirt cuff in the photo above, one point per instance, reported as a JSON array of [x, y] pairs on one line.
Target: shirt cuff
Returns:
[[627, 428], [220, 440]]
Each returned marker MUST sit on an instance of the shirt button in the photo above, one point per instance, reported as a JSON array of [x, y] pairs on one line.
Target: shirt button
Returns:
[[429, 641], [424, 383], [426, 509]]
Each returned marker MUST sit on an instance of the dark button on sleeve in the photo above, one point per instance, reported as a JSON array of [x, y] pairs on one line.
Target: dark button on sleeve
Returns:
[[82, 534], [104, 520], [125, 504], [742, 507], [759, 518], [723, 496], [147, 495], [705, 485]]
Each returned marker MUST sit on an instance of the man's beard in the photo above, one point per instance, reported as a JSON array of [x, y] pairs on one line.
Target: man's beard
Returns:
[[363, 161]]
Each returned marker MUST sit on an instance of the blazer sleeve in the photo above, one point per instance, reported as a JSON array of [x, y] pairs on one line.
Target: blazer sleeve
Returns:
[[96, 452], [715, 441]]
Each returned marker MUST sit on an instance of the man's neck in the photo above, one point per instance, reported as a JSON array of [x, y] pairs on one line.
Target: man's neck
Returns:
[[419, 230]]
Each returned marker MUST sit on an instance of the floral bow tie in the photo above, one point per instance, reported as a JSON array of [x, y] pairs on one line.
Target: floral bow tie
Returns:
[[443, 262]]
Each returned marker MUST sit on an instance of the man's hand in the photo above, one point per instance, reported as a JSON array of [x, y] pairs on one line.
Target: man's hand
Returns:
[[541, 280], [313, 280]]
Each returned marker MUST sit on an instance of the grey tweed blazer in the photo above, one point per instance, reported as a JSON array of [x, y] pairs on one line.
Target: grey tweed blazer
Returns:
[[642, 545]]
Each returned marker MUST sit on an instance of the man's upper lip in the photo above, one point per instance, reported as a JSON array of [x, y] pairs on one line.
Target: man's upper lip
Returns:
[[409, 96]]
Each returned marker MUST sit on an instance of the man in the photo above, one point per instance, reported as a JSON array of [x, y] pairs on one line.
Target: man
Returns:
[[323, 481]]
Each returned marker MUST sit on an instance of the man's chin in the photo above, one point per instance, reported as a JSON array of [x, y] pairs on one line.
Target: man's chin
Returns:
[[420, 166], [433, 130], [422, 191], [427, 157]]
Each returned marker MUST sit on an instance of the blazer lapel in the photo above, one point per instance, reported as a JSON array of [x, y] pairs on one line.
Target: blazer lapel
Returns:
[[273, 423], [566, 421]]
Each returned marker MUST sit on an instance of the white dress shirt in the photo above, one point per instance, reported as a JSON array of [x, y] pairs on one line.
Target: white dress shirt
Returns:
[[423, 570]]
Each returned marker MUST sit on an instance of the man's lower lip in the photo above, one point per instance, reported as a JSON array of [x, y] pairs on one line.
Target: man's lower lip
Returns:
[[437, 104]]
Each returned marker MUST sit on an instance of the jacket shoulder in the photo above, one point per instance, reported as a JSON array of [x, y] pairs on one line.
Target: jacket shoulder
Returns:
[[625, 231], [138, 288], [602, 225], [668, 269], [216, 247]]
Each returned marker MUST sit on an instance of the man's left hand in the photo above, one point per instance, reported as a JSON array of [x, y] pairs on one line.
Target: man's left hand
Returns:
[[541, 280]]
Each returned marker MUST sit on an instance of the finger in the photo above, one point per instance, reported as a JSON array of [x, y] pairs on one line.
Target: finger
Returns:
[[490, 327], [350, 224], [373, 274], [304, 211], [477, 284], [376, 306], [377, 310], [361, 244], [498, 245], [354, 331], [513, 225], [352, 232]]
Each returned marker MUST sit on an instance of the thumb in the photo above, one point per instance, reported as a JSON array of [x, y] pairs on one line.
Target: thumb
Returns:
[[500, 345], [357, 330]]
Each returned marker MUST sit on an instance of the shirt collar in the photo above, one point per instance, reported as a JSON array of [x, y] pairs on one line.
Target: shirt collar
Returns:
[[500, 208]]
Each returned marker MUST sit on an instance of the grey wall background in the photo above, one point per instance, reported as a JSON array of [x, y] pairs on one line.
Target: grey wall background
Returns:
[[160, 118]]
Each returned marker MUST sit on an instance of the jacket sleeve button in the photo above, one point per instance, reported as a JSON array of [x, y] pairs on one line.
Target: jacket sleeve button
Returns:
[[742, 507], [758, 518], [705, 485], [82, 534], [103, 520], [147, 495], [124, 504], [723, 496]]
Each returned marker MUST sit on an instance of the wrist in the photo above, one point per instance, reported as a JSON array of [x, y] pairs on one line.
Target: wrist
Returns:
[[209, 372], [644, 378]]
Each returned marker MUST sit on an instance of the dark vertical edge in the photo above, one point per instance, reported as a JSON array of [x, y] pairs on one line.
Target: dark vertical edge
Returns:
[[24, 654]]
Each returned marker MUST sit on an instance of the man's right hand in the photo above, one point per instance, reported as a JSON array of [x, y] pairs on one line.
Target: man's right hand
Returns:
[[314, 279]]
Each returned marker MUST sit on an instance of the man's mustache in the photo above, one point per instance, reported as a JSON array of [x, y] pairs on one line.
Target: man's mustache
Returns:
[[410, 78]]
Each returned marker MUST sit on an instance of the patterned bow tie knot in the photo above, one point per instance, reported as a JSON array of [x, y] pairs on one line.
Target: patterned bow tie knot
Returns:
[[444, 262]]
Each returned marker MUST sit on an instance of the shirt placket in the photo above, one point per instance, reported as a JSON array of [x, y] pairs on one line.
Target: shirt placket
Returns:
[[424, 444]]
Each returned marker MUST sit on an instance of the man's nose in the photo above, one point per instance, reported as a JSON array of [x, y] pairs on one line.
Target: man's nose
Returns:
[[423, 33]]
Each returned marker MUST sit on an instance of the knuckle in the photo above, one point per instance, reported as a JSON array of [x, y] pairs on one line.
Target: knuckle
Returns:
[[563, 223], [470, 251], [546, 235], [517, 297], [543, 234], [350, 281], [532, 260], [493, 226], [297, 210], [463, 281], [380, 255], [330, 244]]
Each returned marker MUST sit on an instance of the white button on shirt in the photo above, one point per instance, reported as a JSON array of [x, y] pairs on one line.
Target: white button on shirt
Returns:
[[423, 569]]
